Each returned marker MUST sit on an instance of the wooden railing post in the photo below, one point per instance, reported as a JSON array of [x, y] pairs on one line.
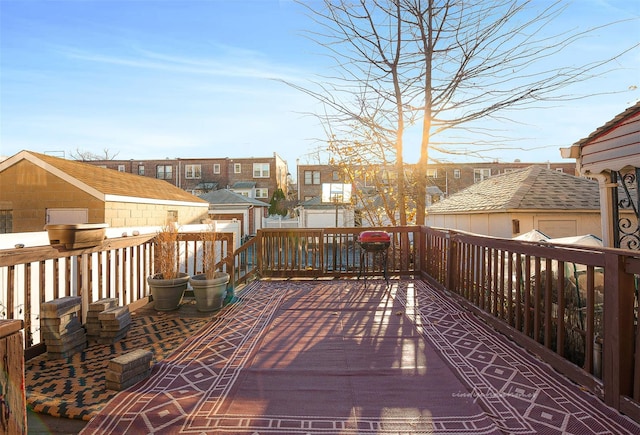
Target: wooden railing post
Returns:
[[452, 259], [618, 330]]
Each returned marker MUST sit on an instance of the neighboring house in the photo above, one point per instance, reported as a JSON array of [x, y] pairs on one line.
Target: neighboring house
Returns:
[[535, 198], [611, 155], [202, 175], [225, 205], [316, 214], [36, 189], [443, 179]]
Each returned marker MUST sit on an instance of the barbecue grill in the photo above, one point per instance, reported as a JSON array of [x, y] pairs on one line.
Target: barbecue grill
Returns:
[[374, 242]]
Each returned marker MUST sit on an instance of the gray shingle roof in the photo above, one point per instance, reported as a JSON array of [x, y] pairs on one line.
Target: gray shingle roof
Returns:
[[227, 197], [532, 188], [244, 185]]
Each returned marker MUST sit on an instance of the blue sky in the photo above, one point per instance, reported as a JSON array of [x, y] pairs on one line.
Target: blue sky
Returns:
[[157, 78]]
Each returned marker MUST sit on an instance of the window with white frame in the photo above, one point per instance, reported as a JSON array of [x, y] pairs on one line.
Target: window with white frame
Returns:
[[121, 168], [456, 173], [432, 173], [262, 192], [481, 174], [140, 169], [192, 171], [261, 170], [237, 168], [216, 168]]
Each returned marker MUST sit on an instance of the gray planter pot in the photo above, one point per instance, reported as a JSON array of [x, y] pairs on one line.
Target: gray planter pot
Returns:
[[209, 293], [167, 293]]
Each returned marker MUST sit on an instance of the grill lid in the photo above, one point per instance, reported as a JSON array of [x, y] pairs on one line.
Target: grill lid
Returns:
[[374, 237]]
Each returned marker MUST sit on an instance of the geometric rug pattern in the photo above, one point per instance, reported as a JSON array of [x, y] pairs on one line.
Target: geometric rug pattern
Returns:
[[74, 387], [349, 357], [521, 393]]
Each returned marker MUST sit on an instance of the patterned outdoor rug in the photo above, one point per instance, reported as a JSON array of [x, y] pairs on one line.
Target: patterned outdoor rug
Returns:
[[74, 387], [337, 357]]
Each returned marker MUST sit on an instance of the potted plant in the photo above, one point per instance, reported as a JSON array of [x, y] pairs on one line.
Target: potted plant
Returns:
[[209, 287], [167, 285]]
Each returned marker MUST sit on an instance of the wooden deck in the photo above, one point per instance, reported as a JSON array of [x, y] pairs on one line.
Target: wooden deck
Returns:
[[550, 300], [347, 357]]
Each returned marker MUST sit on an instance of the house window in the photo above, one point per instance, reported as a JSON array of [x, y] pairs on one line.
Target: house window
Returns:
[[172, 216], [481, 174], [335, 176], [262, 193], [140, 169], [311, 177], [121, 168], [261, 170], [559, 170], [164, 172], [432, 173], [515, 226], [6, 221], [456, 173], [193, 171], [237, 168], [216, 168]]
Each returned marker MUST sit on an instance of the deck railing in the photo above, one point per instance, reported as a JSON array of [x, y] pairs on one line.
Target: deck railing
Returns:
[[321, 252], [116, 269], [575, 307]]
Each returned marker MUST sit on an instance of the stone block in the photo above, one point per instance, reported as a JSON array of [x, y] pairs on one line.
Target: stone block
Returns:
[[113, 313], [119, 386], [61, 306], [58, 324], [102, 305], [67, 354], [129, 360], [56, 332], [68, 342]]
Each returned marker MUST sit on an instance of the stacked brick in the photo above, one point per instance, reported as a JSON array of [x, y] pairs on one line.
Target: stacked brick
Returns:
[[60, 327], [92, 323], [114, 324], [128, 369]]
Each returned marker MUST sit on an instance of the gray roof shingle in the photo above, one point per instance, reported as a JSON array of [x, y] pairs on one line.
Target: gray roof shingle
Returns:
[[228, 197], [532, 188]]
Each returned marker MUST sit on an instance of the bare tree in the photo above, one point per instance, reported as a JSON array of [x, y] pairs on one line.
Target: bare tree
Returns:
[[449, 65], [87, 156]]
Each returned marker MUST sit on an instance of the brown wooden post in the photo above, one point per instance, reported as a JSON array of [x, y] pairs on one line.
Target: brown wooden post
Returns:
[[260, 250], [618, 330], [13, 405], [451, 264]]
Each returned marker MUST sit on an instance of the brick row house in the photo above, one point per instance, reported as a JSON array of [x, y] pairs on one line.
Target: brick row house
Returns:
[[443, 179], [254, 177]]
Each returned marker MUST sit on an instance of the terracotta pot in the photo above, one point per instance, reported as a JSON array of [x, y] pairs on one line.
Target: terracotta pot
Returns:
[[167, 293], [209, 293]]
